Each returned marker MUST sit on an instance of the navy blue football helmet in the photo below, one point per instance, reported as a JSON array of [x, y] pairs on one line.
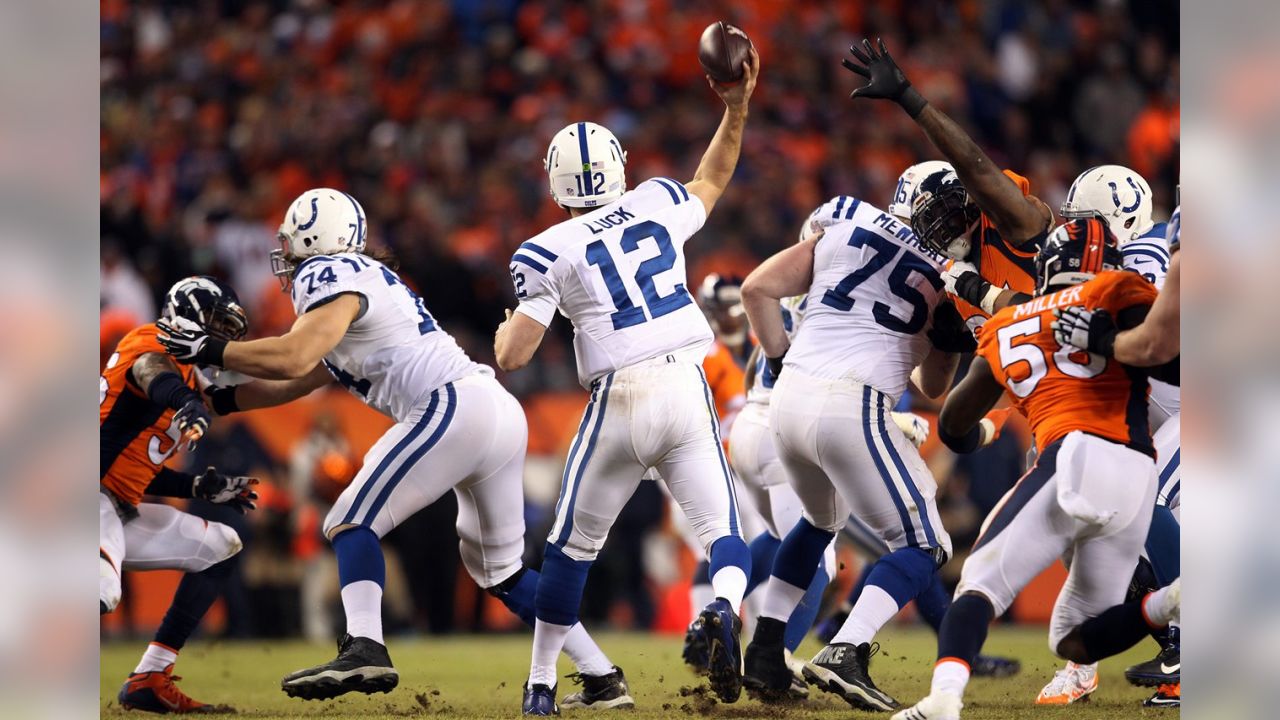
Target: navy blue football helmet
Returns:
[[209, 303]]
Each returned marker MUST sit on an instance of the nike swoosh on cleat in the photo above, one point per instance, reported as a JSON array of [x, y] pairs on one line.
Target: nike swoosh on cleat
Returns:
[[171, 704], [1170, 669]]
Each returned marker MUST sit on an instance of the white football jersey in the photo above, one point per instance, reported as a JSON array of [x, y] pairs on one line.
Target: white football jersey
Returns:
[[1148, 255], [761, 389], [870, 303], [618, 274], [394, 354]]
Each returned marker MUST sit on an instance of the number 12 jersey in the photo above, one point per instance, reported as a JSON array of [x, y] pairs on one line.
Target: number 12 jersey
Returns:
[[618, 274]]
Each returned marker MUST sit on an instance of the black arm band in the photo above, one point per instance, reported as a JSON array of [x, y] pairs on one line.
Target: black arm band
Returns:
[[913, 102], [223, 400], [970, 287], [169, 390], [775, 364], [1170, 372], [211, 353], [171, 483], [962, 444]]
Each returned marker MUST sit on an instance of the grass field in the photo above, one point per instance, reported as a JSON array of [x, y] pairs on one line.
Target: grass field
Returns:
[[481, 677]]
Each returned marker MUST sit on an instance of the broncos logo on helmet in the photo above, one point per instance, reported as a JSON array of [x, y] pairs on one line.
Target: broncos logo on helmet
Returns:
[[1075, 252], [943, 216], [211, 304]]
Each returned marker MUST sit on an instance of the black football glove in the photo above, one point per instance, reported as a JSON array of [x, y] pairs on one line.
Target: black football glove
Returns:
[[775, 365], [193, 420], [189, 343], [887, 79], [1092, 330], [949, 332], [219, 489]]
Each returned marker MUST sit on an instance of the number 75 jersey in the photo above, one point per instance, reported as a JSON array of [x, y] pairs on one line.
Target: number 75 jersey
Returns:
[[870, 302], [618, 274], [1061, 390]]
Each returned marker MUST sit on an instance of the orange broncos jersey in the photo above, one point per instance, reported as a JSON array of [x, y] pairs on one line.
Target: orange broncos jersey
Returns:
[[135, 435], [725, 378], [999, 262], [1060, 392]]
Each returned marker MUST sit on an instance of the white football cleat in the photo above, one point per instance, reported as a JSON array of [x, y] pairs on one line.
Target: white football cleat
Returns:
[[933, 707], [1072, 683]]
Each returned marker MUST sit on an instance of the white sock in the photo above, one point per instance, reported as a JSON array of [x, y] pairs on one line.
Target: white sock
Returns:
[[949, 677], [780, 599], [874, 608], [730, 583], [585, 654], [1158, 607], [156, 658], [548, 641], [362, 601], [700, 596]]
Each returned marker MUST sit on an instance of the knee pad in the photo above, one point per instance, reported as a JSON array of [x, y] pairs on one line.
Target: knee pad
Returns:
[[109, 589]]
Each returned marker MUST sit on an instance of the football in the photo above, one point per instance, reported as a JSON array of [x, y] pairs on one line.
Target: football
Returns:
[[722, 50]]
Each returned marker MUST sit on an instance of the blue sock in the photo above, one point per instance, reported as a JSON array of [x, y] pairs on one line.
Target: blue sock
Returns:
[[1164, 545], [195, 593], [359, 557], [763, 550], [519, 593], [964, 629], [807, 611], [903, 574], [729, 551], [800, 554], [932, 604], [559, 593]]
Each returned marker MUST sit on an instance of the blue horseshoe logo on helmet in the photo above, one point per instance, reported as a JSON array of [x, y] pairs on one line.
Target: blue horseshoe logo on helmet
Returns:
[[1137, 199], [315, 212]]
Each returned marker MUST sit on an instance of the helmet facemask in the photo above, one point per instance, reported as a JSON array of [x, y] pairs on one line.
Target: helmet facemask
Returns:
[[943, 220]]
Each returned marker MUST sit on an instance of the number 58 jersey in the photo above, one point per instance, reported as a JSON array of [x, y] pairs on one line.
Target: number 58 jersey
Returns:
[[1061, 390], [870, 302], [618, 274], [394, 353]]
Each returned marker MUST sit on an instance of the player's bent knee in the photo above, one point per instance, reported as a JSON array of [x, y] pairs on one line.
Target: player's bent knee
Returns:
[[220, 542], [109, 590], [999, 602], [580, 551]]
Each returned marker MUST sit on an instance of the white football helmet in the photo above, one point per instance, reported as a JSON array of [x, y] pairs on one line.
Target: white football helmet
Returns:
[[320, 222], [908, 181], [1117, 194], [586, 166]]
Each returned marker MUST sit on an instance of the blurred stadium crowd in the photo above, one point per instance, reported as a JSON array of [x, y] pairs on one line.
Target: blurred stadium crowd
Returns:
[[436, 114]]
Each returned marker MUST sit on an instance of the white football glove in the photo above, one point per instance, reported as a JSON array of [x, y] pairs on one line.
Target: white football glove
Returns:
[[183, 339], [913, 426], [958, 268]]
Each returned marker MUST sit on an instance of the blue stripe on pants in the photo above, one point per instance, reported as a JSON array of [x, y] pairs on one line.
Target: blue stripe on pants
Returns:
[[724, 465], [903, 515], [400, 447], [567, 527], [417, 454], [907, 480]]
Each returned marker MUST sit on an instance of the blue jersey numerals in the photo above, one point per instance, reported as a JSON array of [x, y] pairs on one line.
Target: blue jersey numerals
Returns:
[[626, 312], [427, 323], [349, 381], [884, 253]]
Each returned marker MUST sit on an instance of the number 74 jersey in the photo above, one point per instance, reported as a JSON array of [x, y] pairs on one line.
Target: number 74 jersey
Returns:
[[1061, 390], [618, 274]]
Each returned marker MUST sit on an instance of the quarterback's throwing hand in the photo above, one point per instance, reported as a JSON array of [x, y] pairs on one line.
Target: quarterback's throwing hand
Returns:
[[220, 489], [1092, 330]]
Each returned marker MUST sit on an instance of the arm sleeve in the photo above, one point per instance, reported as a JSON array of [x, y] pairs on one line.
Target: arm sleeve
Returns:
[[534, 279], [681, 212], [171, 483], [323, 278]]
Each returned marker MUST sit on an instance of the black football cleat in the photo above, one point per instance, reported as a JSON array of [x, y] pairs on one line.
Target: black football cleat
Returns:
[[539, 700], [841, 668], [1163, 669], [765, 675], [362, 665], [716, 631], [994, 666], [601, 692]]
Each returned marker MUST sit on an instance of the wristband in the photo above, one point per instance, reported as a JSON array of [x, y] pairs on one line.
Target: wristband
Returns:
[[912, 101], [169, 390], [775, 364], [961, 444], [988, 302], [211, 353], [987, 428], [223, 400]]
